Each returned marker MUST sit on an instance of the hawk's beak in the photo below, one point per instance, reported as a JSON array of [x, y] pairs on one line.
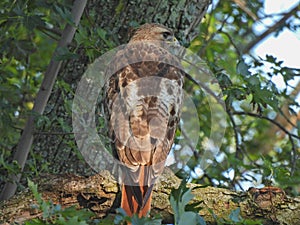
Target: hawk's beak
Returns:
[[176, 42]]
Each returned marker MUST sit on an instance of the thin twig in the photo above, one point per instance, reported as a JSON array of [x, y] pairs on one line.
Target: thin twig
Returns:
[[267, 118], [293, 155], [271, 30], [243, 5], [287, 119], [189, 142], [290, 136], [204, 45], [201, 85], [236, 133], [232, 42]]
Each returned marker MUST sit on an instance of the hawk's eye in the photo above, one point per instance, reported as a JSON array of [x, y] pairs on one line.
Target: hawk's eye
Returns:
[[166, 34]]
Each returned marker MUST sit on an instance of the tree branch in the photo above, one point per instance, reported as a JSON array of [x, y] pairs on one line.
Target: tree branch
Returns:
[[243, 5], [272, 29], [267, 118], [236, 133], [99, 193]]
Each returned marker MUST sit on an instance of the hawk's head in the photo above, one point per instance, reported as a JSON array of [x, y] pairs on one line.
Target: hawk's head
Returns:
[[154, 32]]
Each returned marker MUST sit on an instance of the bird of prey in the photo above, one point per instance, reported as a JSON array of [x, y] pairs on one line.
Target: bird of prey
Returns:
[[143, 98]]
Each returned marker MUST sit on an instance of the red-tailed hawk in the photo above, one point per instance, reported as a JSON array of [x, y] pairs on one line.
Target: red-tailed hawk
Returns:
[[143, 101]]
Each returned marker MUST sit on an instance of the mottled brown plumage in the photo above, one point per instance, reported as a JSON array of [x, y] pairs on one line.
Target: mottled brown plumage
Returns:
[[144, 97]]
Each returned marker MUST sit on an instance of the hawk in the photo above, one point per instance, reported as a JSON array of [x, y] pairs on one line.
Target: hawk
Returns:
[[143, 100]]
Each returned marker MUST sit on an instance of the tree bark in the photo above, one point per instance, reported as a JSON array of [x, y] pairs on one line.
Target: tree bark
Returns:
[[116, 18], [99, 193]]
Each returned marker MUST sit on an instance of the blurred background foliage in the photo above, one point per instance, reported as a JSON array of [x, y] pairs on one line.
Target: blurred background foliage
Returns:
[[261, 143]]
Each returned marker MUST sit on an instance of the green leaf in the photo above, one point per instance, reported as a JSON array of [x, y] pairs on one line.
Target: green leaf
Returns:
[[271, 59], [135, 220], [34, 222], [179, 199], [75, 221], [83, 214], [242, 68], [187, 218], [63, 53], [33, 187], [224, 80], [195, 207], [32, 21], [254, 81], [186, 197], [235, 215], [65, 14], [103, 35], [191, 218]]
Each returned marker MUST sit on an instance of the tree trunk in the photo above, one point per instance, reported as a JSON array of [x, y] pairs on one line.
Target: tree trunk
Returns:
[[115, 17], [99, 193]]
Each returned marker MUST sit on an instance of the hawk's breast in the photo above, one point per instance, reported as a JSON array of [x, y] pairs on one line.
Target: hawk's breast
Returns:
[[144, 100]]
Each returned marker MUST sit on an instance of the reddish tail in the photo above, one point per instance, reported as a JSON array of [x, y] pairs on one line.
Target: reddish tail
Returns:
[[132, 204], [136, 198]]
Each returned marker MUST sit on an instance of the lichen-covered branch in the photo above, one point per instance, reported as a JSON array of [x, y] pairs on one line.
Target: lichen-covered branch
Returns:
[[99, 193]]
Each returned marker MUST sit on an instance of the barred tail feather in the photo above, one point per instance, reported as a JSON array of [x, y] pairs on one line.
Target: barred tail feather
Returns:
[[133, 206], [136, 199]]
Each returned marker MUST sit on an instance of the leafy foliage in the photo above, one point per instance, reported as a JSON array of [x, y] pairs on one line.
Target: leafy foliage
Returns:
[[257, 144], [236, 219], [26, 49], [184, 212], [188, 213], [262, 141], [179, 200], [121, 217]]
